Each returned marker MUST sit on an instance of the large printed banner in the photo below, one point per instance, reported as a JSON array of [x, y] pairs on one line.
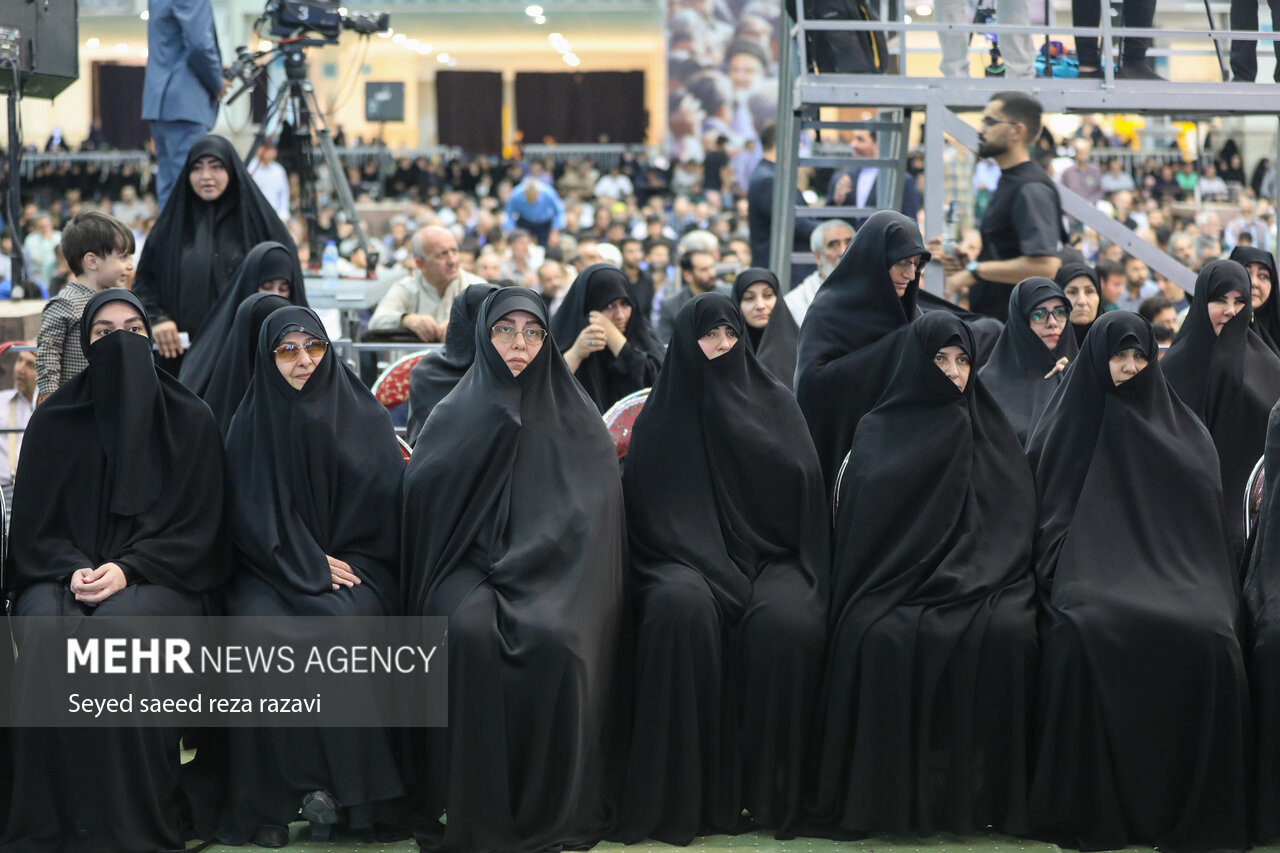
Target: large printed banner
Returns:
[[722, 75]]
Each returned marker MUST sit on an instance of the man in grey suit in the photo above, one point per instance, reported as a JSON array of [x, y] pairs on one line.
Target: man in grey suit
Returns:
[[699, 270], [183, 83]]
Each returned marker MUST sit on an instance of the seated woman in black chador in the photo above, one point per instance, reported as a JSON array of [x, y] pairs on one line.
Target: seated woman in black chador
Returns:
[[117, 513], [314, 474], [268, 268], [607, 345], [436, 373], [727, 521], [1143, 736], [852, 332], [1031, 353], [1079, 283], [771, 330], [233, 370], [518, 538], [1225, 373], [925, 708], [1262, 598]]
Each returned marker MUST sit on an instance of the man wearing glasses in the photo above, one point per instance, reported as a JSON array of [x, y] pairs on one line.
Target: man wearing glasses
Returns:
[[1022, 226]]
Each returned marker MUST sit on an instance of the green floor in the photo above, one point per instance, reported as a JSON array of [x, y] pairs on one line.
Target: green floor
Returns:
[[751, 843]]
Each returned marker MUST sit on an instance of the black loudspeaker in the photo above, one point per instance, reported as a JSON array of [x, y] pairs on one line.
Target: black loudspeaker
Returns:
[[48, 45], [384, 102]]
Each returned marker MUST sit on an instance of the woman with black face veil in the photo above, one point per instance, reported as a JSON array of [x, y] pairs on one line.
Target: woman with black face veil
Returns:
[[233, 370], [727, 519], [117, 513], [608, 346], [1031, 353], [436, 374], [1262, 600], [515, 531], [1261, 267], [925, 702], [213, 217], [771, 331], [851, 334], [314, 474], [1079, 283], [1144, 716], [268, 268], [1225, 373]]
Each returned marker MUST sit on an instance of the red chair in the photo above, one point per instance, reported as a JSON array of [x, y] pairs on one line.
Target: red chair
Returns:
[[1253, 497], [405, 450], [392, 387], [621, 417]]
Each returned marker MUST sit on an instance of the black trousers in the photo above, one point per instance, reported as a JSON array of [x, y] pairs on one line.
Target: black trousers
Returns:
[[541, 231], [1244, 54], [1137, 13]]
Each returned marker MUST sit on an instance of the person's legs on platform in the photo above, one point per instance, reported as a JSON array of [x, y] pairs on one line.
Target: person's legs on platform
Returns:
[[1134, 64], [955, 46], [1244, 54], [1087, 13], [1019, 51], [173, 140]]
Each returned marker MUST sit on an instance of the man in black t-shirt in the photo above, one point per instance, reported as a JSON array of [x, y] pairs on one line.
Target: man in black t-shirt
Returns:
[[1022, 226]]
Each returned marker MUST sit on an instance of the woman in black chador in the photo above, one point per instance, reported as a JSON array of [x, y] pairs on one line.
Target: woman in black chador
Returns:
[[1031, 353], [1226, 374], [771, 331], [851, 334], [727, 521], [1262, 597], [436, 373], [607, 345], [268, 268], [1079, 283], [930, 675], [314, 476], [1261, 266], [213, 217], [515, 531], [233, 370], [1144, 720], [117, 513]]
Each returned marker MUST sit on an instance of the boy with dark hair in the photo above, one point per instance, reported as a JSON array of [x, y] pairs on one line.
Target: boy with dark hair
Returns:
[[99, 252]]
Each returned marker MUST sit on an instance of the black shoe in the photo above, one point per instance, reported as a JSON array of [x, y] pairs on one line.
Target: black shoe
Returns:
[[271, 835], [1138, 71], [320, 809]]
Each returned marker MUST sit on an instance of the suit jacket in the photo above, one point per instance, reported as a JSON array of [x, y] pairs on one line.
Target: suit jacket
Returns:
[[668, 310], [910, 195], [760, 215], [184, 63]]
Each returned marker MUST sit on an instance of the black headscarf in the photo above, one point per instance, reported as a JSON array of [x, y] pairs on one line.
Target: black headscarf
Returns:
[[121, 464], [1139, 616], [726, 513], [1015, 372], [233, 370], [775, 344], [1230, 380], [1064, 276], [196, 246], [932, 607], [723, 427], [849, 339], [605, 377], [265, 262], [436, 373], [513, 504], [1266, 317], [313, 471]]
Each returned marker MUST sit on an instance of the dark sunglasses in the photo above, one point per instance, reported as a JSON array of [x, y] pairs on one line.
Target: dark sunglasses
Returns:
[[291, 352]]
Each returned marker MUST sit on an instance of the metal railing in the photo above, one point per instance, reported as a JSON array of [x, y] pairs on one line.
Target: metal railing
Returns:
[[604, 155], [32, 160]]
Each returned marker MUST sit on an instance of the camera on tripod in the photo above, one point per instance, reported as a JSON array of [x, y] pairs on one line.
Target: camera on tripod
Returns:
[[325, 18]]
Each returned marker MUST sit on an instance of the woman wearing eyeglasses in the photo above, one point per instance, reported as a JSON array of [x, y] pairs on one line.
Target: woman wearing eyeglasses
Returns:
[[117, 515], [314, 476], [849, 342], [613, 352], [1227, 375], [925, 708], [518, 534], [1031, 353]]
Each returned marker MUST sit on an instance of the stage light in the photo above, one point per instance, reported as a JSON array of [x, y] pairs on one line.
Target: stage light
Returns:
[[146, 15], [533, 11], [924, 10], [540, 20]]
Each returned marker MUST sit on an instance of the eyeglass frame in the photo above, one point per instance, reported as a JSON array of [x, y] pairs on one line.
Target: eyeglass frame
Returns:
[[298, 349], [495, 336], [1058, 312]]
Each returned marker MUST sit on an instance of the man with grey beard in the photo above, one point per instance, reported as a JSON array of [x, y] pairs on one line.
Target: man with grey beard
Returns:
[[828, 242]]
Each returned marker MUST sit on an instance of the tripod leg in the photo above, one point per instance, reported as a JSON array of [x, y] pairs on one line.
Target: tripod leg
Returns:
[[340, 186]]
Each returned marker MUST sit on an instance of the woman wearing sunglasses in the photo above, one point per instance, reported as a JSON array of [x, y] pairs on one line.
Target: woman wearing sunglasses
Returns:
[[1227, 375], [515, 508], [1031, 353], [314, 474]]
